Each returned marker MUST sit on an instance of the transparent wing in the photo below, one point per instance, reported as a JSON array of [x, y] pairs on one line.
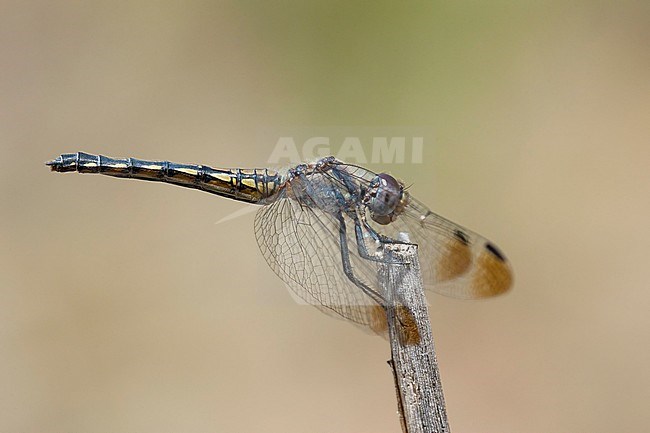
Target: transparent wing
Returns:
[[301, 245], [455, 261], [300, 240]]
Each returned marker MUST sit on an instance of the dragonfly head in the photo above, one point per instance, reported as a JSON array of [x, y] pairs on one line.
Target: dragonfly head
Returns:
[[383, 198]]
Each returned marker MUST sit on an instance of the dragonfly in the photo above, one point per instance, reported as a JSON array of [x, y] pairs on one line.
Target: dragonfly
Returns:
[[322, 227]]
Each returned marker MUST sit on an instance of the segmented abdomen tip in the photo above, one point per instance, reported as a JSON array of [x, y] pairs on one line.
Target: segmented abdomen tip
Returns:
[[55, 164]]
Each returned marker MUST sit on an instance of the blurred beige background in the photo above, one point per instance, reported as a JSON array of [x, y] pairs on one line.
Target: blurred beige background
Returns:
[[124, 308]]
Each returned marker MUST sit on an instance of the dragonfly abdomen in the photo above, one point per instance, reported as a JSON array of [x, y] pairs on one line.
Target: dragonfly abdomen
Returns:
[[239, 184]]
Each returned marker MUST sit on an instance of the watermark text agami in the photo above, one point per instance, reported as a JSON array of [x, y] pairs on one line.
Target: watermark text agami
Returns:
[[354, 149]]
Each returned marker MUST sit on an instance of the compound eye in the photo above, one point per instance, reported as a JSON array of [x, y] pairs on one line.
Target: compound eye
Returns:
[[384, 195]]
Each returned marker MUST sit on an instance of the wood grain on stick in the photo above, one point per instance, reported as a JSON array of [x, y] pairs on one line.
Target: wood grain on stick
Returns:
[[417, 379]]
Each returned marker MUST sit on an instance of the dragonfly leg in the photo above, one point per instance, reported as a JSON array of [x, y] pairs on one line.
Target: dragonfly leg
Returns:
[[408, 332], [379, 237], [347, 265], [363, 248]]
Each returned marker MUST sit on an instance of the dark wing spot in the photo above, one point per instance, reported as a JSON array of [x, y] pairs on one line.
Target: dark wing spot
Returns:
[[495, 251], [462, 237]]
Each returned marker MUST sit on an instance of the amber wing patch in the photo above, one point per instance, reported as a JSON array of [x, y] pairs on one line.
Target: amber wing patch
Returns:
[[492, 275], [454, 260]]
